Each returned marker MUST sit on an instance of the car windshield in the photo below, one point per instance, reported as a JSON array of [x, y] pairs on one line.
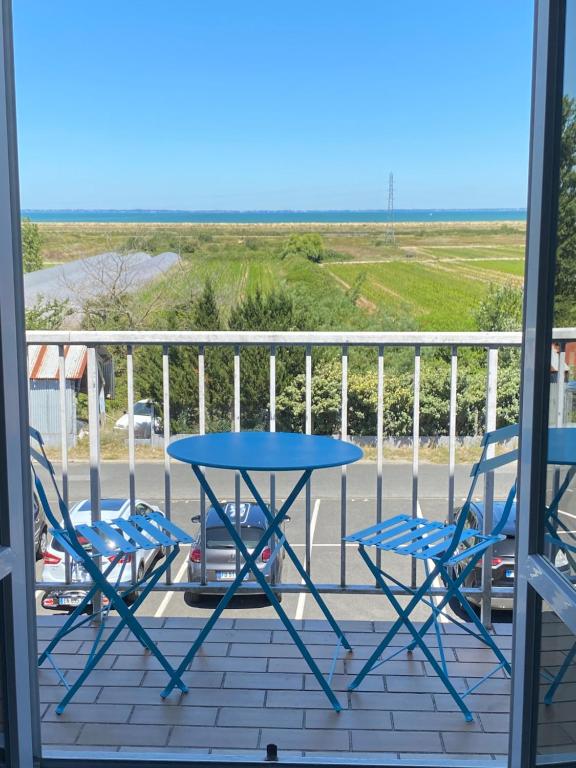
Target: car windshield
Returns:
[[142, 409], [219, 538]]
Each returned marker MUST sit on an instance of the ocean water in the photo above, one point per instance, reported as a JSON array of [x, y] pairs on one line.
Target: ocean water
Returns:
[[276, 217]]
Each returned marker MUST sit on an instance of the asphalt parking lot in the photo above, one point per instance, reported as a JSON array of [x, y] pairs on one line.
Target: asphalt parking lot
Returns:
[[325, 528]]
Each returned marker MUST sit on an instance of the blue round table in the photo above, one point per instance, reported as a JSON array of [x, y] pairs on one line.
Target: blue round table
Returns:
[[245, 452], [264, 451]]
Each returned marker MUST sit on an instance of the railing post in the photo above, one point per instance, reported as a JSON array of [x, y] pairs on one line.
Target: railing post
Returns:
[[344, 473], [452, 432], [379, 443], [166, 438], [64, 443], [272, 428], [202, 431], [131, 442], [308, 430], [491, 403], [94, 438], [415, 448], [237, 429]]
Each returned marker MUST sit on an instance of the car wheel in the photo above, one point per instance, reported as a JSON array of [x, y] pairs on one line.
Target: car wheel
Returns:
[[192, 599], [131, 598], [42, 543]]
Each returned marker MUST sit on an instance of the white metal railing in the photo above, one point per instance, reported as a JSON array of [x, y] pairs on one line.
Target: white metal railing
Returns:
[[343, 341]]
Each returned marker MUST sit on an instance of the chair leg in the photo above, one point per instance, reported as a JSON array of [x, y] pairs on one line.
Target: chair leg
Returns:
[[404, 619], [548, 698], [129, 620]]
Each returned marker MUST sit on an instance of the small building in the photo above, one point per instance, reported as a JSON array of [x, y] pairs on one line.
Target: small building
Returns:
[[44, 389]]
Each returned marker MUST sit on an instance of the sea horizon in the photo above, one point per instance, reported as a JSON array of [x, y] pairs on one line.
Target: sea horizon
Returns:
[[288, 216]]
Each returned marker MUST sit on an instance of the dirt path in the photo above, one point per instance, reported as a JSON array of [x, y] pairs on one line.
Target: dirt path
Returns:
[[361, 301]]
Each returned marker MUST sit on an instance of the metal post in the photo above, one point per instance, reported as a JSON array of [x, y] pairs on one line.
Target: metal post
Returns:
[[491, 402], [415, 448], [63, 442], [131, 442], [166, 436], [344, 474], [94, 437], [452, 432], [379, 443], [272, 428], [308, 430], [237, 478], [202, 431]]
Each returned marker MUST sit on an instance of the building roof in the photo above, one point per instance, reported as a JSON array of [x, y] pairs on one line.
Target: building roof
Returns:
[[43, 361]]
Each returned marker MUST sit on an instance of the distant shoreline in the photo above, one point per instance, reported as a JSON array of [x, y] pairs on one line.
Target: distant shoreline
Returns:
[[347, 217]]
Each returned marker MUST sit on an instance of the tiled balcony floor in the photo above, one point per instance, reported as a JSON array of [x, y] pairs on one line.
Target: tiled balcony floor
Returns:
[[249, 687]]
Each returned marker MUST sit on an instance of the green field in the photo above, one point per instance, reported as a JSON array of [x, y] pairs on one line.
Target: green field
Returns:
[[433, 278]]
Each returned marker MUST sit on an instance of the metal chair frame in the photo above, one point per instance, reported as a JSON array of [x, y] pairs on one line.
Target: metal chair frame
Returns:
[[115, 541], [447, 547]]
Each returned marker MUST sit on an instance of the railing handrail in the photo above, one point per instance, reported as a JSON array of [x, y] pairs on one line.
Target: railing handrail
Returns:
[[382, 341], [266, 338]]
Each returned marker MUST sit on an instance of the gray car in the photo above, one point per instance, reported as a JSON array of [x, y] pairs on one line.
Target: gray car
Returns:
[[40, 527], [221, 551]]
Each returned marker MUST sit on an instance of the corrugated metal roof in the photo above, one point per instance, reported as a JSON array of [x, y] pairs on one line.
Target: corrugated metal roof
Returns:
[[43, 361]]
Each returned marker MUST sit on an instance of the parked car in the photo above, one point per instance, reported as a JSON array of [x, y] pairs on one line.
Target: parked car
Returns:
[[503, 556], [40, 527], [54, 560], [221, 550], [145, 420]]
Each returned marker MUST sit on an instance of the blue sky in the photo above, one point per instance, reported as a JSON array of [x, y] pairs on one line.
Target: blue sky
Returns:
[[273, 105]]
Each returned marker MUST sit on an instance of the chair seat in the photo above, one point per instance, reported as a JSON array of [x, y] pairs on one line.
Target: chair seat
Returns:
[[423, 539], [124, 535]]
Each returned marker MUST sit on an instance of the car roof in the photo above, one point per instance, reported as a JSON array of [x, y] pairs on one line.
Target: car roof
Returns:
[[250, 515], [497, 512]]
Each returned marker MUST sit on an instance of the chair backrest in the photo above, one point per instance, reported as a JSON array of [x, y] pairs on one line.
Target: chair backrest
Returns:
[[489, 464], [38, 454]]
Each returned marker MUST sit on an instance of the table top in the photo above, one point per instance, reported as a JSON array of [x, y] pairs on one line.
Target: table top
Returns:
[[264, 451], [562, 445]]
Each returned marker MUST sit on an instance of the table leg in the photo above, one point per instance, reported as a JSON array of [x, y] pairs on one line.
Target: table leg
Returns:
[[250, 565], [297, 564]]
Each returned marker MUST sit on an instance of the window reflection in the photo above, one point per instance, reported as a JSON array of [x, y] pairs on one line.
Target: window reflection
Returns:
[[560, 522], [556, 735]]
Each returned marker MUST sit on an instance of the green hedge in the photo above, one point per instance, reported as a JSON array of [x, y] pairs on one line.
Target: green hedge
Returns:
[[398, 401]]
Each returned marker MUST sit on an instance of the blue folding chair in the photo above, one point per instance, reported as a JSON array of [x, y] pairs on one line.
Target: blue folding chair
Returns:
[[450, 551], [114, 542]]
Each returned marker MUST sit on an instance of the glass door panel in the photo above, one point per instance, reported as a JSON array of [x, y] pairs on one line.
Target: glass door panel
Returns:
[[559, 545], [556, 733]]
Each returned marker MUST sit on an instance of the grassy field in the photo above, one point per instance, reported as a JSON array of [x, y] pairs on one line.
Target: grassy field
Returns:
[[432, 279]]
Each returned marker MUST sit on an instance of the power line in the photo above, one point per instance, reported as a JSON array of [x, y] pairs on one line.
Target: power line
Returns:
[[389, 235]]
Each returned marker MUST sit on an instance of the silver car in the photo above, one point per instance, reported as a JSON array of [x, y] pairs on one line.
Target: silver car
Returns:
[[221, 550]]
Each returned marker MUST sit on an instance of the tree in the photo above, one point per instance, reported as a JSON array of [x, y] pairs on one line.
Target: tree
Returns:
[[274, 311], [192, 313], [501, 309], [565, 287], [47, 314], [310, 246], [31, 246], [106, 294]]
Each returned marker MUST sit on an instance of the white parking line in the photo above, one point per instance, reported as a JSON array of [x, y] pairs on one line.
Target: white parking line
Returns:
[[169, 595], [302, 596]]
